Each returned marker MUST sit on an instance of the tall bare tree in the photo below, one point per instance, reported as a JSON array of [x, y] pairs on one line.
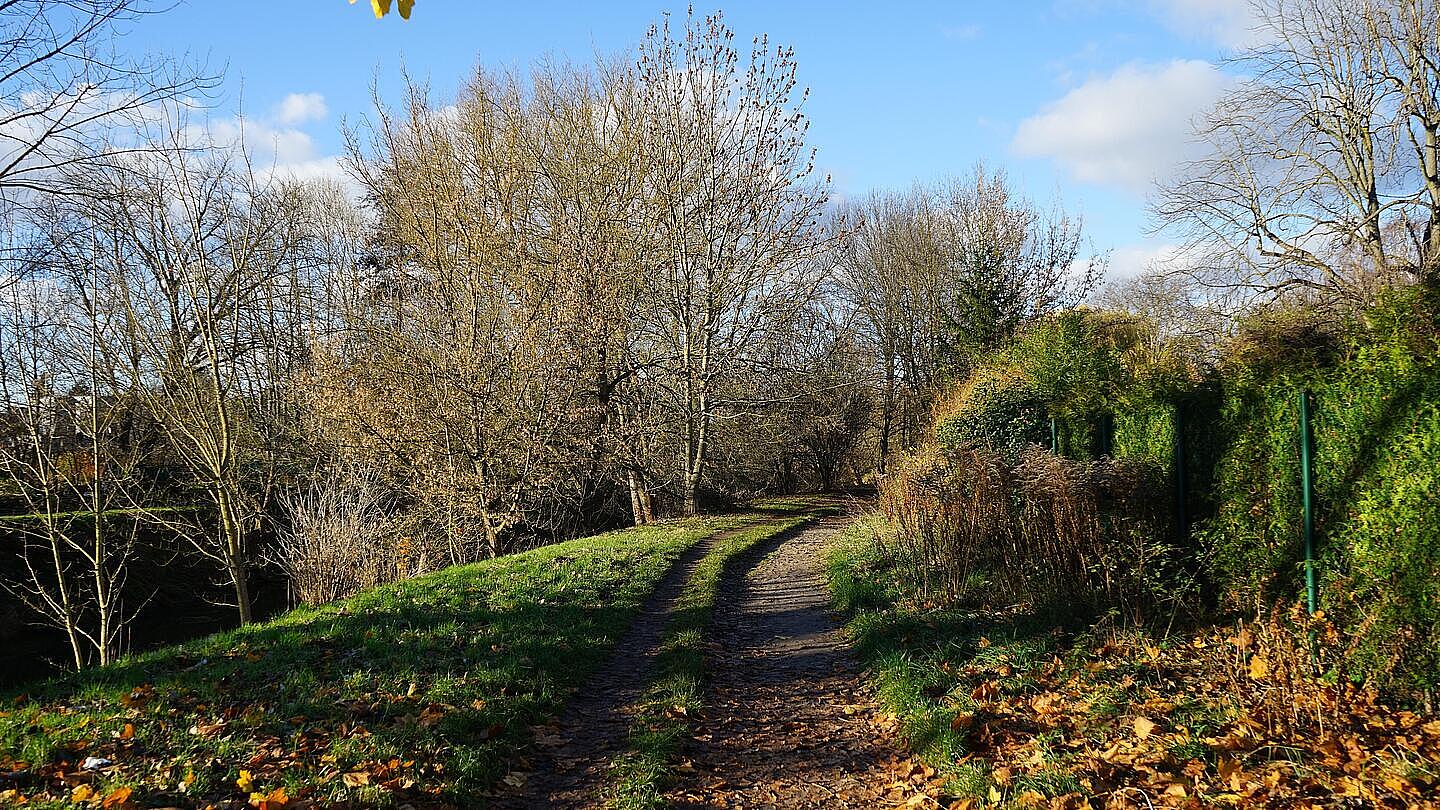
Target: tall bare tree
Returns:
[[736, 214], [201, 266], [1321, 173]]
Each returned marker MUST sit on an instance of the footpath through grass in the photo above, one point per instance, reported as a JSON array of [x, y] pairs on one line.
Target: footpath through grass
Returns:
[[414, 693], [1017, 712], [638, 778]]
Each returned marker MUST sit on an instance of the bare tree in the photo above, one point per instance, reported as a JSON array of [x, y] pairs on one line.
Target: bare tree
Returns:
[[1321, 172], [200, 267], [67, 94], [940, 275], [734, 211], [74, 445], [461, 362]]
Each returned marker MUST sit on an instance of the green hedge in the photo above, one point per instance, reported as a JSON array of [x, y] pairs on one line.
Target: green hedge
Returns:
[[1376, 424], [1375, 381]]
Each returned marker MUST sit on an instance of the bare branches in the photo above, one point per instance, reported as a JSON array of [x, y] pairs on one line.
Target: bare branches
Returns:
[[69, 98], [1321, 172]]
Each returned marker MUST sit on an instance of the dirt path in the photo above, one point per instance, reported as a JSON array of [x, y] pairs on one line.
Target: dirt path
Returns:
[[788, 724], [569, 765]]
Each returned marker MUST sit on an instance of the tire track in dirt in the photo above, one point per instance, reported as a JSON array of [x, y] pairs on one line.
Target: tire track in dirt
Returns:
[[568, 767], [788, 722]]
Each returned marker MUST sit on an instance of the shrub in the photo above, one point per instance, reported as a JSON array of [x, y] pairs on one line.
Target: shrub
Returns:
[[341, 540], [974, 523], [998, 408]]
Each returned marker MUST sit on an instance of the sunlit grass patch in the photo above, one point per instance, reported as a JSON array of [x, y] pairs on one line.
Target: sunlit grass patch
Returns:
[[418, 690]]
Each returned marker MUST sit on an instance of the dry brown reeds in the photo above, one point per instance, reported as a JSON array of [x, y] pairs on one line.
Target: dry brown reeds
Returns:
[[1086, 535]]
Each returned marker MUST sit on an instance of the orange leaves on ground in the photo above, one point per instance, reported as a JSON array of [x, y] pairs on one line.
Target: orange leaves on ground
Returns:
[[1188, 722], [276, 799]]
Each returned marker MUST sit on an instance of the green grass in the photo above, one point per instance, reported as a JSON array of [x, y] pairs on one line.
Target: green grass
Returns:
[[638, 777], [915, 654], [420, 691]]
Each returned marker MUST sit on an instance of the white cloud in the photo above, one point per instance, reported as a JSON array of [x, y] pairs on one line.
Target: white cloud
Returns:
[[322, 168], [298, 108], [1125, 129], [960, 33], [1229, 23], [276, 150], [1130, 261]]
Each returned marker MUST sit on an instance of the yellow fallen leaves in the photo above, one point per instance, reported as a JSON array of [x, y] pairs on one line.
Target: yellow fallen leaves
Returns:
[[1259, 668], [274, 800], [1143, 727], [85, 794], [246, 781]]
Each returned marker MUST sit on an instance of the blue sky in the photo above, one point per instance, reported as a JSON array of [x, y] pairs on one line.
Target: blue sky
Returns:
[[1087, 98]]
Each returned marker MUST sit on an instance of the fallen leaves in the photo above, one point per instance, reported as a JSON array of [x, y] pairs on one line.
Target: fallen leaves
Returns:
[[276, 799], [1259, 668], [1143, 727], [1215, 718]]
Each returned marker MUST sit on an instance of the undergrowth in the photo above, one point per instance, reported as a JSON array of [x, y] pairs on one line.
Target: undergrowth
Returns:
[[1016, 710]]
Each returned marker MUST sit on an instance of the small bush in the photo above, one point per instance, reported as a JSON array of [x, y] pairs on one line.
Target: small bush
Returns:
[[974, 523], [998, 408], [341, 541]]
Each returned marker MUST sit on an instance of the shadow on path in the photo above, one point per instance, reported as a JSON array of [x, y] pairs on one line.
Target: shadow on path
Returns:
[[788, 722], [571, 756]]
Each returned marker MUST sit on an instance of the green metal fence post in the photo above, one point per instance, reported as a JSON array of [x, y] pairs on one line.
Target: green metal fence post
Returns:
[[1307, 492], [1182, 518], [1054, 436]]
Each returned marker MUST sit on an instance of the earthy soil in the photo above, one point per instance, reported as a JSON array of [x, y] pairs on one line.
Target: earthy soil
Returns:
[[572, 755], [788, 722]]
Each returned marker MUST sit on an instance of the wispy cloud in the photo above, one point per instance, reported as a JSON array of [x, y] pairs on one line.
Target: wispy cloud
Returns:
[[961, 33], [1127, 128]]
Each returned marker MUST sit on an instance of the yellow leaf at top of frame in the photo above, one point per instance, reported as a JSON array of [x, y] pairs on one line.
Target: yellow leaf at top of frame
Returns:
[[382, 7]]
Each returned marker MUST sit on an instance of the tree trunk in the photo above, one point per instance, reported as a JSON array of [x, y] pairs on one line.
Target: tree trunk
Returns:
[[637, 506], [234, 546]]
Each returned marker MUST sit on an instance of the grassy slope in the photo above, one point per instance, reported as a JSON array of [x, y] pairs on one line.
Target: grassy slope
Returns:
[[1016, 712], [639, 777], [412, 692]]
